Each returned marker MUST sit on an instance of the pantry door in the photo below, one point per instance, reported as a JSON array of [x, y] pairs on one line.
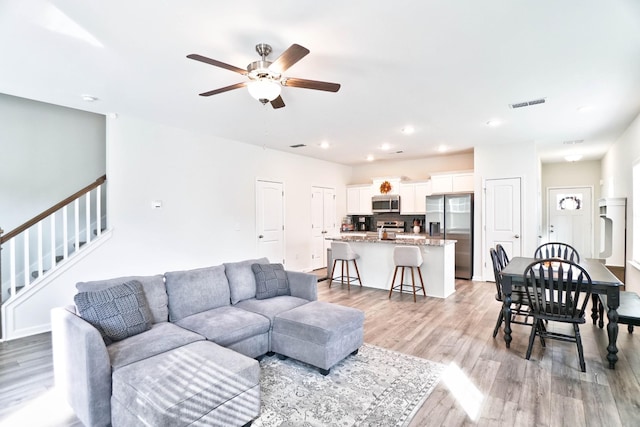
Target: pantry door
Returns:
[[270, 220]]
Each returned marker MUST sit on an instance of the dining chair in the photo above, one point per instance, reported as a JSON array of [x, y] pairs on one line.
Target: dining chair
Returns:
[[558, 291], [557, 250], [519, 301], [502, 255]]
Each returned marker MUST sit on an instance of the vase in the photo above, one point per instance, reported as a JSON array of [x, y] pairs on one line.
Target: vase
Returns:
[[416, 229]]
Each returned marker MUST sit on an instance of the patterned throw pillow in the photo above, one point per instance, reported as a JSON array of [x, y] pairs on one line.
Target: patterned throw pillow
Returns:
[[271, 280], [117, 312]]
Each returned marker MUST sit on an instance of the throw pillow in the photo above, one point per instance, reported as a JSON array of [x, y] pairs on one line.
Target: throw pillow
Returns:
[[117, 312], [271, 280]]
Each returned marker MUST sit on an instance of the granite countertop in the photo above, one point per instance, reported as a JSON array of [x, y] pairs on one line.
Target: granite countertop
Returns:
[[400, 239]]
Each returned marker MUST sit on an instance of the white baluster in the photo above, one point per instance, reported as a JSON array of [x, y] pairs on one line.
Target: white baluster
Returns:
[[87, 199], [40, 267], [53, 239], [99, 209], [12, 266], [65, 232], [76, 218], [26, 257]]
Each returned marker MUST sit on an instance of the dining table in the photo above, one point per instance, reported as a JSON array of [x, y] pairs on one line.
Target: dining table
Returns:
[[602, 280]]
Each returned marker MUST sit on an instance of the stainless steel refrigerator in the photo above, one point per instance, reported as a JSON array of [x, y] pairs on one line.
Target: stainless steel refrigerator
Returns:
[[450, 216]]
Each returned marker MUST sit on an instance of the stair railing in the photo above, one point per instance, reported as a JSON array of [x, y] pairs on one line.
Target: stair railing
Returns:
[[45, 240]]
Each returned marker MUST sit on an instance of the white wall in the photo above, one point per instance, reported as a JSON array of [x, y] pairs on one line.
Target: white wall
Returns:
[[572, 174], [207, 186], [617, 182], [48, 153], [412, 170], [507, 161]]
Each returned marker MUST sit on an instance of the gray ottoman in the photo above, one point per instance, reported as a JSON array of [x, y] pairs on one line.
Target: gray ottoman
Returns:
[[318, 333], [200, 384]]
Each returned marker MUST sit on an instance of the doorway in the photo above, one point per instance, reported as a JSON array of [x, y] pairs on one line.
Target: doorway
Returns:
[[570, 218], [503, 219], [270, 220]]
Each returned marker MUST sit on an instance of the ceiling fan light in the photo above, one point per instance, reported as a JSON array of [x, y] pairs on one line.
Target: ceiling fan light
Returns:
[[264, 90]]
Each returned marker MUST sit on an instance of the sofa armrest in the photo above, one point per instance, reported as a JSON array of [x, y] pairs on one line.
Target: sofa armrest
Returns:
[[303, 285], [82, 368]]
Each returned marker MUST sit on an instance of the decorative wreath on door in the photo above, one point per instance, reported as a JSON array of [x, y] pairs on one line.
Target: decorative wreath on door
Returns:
[[385, 187]]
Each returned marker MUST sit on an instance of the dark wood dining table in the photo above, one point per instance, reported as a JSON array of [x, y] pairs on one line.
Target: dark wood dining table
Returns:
[[603, 282]]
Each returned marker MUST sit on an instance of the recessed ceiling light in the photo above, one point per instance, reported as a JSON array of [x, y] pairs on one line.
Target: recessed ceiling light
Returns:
[[408, 130], [385, 146], [442, 148], [89, 98], [494, 123], [324, 144], [370, 158], [573, 157]]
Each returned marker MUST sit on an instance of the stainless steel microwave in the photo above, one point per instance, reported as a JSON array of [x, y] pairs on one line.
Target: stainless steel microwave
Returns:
[[385, 203]]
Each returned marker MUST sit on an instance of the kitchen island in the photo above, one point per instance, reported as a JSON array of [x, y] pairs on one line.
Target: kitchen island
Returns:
[[376, 266]]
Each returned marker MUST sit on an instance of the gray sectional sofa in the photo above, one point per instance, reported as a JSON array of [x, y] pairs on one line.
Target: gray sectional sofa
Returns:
[[180, 348]]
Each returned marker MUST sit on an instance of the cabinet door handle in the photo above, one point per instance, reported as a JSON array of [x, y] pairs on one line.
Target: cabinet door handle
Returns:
[[517, 236], [260, 236]]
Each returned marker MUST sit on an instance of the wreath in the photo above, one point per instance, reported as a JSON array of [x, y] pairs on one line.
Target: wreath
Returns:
[[385, 187]]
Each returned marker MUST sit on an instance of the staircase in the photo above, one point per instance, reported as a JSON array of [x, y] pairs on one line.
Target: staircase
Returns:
[[44, 244]]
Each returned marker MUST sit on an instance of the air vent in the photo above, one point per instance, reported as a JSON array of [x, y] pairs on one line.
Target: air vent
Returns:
[[528, 103], [297, 145], [573, 142]]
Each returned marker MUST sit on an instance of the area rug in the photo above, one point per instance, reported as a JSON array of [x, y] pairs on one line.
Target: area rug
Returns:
[[376, 387]]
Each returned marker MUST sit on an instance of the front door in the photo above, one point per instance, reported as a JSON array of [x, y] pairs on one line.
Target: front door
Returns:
[[570, 212], [503, 219], [270, 220]]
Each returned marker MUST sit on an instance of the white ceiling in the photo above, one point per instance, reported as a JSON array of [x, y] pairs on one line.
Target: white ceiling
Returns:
[[444, 67]]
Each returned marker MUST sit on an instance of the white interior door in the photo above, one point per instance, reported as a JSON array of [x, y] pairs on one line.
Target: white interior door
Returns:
[[270, 220], [323, 223], [570, 213], [503, 219]]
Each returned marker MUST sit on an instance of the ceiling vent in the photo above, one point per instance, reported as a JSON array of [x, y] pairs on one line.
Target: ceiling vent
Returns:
[[528, 103], [297, 145]]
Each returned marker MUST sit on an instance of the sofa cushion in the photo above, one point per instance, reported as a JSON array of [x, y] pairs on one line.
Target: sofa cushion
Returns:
[[160, 338], [242, 281], [117, 312], [226, 325], [271, 280], [195, 291], [154, 291], [271, 307]]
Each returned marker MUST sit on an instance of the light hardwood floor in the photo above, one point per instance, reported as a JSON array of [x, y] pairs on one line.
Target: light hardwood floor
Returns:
[[484, 384]]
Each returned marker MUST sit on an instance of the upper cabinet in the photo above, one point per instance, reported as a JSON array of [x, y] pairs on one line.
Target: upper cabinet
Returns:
[[359, 200], [452, 183], [413, 197]]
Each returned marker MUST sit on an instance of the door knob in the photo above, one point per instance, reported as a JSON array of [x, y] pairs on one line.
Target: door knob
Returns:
[[260, 236], [517, 236]]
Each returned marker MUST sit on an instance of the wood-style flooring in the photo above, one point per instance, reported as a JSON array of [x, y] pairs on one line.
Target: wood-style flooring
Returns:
[[484, 384]]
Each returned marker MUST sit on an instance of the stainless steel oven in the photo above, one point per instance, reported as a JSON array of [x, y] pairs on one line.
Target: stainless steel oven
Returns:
[[385, 203]]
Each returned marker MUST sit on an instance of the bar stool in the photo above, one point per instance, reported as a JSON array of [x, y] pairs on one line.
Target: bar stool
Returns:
[[341, 251], [407, 256]]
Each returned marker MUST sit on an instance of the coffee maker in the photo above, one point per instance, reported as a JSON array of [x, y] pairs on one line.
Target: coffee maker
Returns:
[[364, 223]]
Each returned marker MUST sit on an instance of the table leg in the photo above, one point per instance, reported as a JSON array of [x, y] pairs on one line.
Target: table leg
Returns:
[[612, 331], [506, 308]]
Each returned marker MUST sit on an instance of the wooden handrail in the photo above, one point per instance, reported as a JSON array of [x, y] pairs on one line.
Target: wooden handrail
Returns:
[[16, 231]]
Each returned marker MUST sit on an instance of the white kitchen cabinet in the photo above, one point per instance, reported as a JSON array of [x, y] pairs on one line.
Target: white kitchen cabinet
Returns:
[[413, 197], [359, 200], [452, 183]]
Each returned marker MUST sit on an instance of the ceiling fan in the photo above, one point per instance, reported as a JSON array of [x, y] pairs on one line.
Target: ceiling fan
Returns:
[[265, 77]]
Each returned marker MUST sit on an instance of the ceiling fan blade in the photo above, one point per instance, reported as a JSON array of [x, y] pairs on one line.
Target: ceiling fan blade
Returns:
[[224, 89], [277, 103], [213, 62], [312, 84], [289, 57]]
